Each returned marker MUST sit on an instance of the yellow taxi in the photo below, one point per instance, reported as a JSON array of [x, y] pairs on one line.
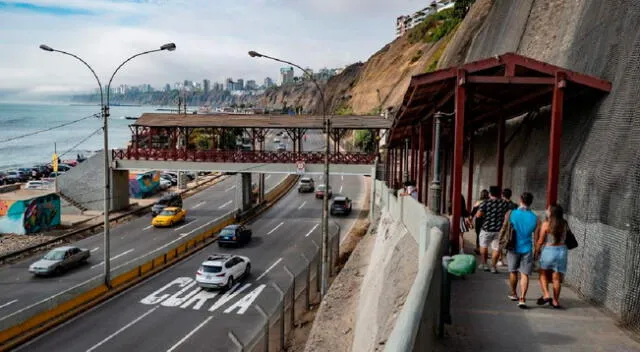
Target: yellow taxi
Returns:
[[169, 216]]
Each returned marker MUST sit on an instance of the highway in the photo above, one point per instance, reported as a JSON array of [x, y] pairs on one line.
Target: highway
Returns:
[[168, 312]]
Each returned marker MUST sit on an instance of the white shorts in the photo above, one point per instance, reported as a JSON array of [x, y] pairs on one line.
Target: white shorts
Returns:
[[490, 240]]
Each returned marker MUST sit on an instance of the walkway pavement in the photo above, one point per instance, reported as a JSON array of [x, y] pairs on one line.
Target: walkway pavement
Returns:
[[484, 319]]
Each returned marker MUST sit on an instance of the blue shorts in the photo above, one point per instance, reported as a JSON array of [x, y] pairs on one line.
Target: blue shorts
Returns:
[[554, 258]]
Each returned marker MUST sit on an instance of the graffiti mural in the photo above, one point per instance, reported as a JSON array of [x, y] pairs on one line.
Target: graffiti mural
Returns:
[[143, 184], [30, 215]]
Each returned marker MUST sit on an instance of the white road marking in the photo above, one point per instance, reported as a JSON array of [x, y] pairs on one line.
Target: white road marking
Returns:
[[148, 227], [340, 191], [112, 258], [199, 205], [9, 303], [186, 224], [269, 269], [275, 228], [190, 334], [225, 204], [95, 249], [122, 329], [267, 177], [230, 188], [245, 302], [342, 177], [313, 229], [302, 205]]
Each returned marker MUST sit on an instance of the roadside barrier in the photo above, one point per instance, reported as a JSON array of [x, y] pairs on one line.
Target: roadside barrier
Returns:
[[33, 320]]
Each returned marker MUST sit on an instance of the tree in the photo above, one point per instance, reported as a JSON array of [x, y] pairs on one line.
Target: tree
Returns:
[[461, 8]]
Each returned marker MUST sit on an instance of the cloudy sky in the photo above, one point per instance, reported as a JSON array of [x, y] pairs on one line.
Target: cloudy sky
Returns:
[[212, 38]]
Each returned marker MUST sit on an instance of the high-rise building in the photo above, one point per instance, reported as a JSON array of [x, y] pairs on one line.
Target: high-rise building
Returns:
[[206, 85], [198, 86], [177, 86], [167, 87], [188, 85], [251, 85], [218, 87], [405, 23], [268, 82], [239, 84], [287, 75], [229, 84]]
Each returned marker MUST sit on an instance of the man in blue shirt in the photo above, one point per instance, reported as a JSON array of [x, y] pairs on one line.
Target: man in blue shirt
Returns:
[[520, 258]]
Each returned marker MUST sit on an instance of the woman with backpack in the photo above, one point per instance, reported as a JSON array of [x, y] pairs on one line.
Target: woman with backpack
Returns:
[[552, 250]]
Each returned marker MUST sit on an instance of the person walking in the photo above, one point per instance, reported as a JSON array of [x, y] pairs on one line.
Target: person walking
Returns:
[[506, 195], [463, 221], [552, 250], [525, 224], [477, 222], [493, 212]]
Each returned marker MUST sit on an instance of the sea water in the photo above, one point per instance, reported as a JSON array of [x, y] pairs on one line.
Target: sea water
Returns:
[[21, 119]]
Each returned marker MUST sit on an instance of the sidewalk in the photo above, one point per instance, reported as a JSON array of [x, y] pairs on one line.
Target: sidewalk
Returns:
[[484, 319]]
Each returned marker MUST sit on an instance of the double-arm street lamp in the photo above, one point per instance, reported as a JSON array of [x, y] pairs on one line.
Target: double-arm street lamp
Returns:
[[325, 199], [105, 118]]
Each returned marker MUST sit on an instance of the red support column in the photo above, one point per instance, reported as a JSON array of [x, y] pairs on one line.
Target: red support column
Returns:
[[420, 160], [444, 170], [414, 155], [401, 157], [470, 175], [458, 145], [557, 111], [500, 156], [137, 142]]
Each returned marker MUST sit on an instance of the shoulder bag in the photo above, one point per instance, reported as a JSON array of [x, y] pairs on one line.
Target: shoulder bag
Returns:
[[507, 234], [570, 239]]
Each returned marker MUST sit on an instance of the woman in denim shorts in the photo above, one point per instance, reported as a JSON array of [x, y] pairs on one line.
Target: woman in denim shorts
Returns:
[[552, 252]]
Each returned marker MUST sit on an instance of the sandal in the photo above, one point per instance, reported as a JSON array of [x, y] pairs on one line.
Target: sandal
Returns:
[[513, 297], [556, 306], [542, 301]]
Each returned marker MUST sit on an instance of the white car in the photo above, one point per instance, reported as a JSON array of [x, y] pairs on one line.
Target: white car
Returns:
[[164, 183], [222, 271], [38, 185]]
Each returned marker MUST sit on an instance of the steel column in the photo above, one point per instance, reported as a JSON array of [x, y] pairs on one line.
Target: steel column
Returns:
[[435, 184], [458, 146], [557, 111], [470, 175], [444, 170], [401, 163], [500, 156], [420, 182]]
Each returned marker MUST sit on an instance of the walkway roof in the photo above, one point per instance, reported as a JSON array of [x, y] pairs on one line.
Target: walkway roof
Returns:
[[505, 86], [260, 121]]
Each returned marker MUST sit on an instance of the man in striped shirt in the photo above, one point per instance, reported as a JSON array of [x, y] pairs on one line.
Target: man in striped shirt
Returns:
[[492, 212]]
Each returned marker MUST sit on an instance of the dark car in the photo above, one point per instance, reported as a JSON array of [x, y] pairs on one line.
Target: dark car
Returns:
[[168, 200], [341, 205], [320, 192], [3, 179], [16, 176], [234, 234]]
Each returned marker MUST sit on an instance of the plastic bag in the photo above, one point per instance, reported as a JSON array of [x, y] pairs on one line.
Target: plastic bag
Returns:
[[462, 264]]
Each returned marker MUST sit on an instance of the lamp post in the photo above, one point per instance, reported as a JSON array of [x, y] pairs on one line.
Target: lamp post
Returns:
[[105, 118], [325, 199], [435, 188]]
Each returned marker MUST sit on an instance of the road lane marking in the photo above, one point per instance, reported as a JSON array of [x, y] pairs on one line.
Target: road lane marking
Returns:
[[9, 303], [302, 205], [275, 228], [186, 224], [199, 205], [313, 229], [225, 204], [148, 227], [95, 249], [269, 269], [230, 188], [187, 336], [113, 258], [122, 329], [340, 191], [342, 177], [267, 177]]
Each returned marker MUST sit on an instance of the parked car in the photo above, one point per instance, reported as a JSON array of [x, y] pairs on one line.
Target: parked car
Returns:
[[341, 205], [59, 260], [169, 216], [37, 185], [306, 184], [276, 140], [168, 200], [64, 167], [3, 179], [16, 177], [281, 147], [171, 179], [222, 271], [320, 192], [56, 174], [234, 234], [27, 172], [165, 184]]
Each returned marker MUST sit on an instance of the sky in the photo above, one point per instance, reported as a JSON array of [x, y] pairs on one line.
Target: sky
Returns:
[[212, 39]]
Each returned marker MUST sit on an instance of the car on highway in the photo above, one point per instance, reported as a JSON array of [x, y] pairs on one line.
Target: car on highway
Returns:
[[167, 200], [15, 176], [222, 271], [281, 147], [169, 178], [276, 140], [165, 184], [43, 184], [341, 205], [234, 234], [305, 185], [58, 260], [320, 192], [169, 216]]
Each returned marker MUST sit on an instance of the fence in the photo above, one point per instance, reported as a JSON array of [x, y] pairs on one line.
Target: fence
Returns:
[[419, 320]]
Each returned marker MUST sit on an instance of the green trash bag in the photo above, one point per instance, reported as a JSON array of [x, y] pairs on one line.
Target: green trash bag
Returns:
[[462, 264]]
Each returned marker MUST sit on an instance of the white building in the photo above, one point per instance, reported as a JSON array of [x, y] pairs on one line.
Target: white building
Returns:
[[286, 74], [406, 22]]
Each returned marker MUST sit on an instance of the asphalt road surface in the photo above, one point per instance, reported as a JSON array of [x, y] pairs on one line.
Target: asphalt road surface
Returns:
[[168, 312]]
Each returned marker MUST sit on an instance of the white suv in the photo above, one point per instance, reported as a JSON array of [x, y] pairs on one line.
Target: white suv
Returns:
[[222, 270]]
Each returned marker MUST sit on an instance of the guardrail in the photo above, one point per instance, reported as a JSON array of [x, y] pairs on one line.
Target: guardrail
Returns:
[[419, 319], [18, 327]]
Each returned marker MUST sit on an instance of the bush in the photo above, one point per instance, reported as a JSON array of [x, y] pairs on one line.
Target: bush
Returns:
[[416, 56], [434, 27]]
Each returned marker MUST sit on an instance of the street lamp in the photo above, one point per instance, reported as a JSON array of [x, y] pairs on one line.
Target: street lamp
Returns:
[[105, 119], [325, 199]]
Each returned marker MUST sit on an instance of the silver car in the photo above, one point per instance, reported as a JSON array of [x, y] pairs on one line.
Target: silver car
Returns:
[[60, 259]]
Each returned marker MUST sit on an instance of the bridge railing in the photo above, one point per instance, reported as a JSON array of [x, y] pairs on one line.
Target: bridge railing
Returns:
[[232, 156]]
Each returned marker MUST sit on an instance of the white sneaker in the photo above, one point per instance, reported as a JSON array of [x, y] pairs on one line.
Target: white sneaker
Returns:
[[500, 263], [483, 267], [494, 270]]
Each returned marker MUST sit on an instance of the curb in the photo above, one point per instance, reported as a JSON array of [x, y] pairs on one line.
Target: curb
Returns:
[[44, 321]]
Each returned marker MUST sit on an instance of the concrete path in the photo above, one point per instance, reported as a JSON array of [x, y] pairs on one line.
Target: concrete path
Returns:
[[484, 319]]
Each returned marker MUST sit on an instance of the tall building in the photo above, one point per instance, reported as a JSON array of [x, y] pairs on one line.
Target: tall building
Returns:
[[206, 85], [188, 85], [239, 84], [167, 87], [251, 85], [287, 75], [177, 86], [268, 82], [229, 84], [218, 87]]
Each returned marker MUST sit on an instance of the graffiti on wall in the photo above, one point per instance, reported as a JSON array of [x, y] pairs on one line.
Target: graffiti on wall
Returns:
[[30, 215], [143, 184]]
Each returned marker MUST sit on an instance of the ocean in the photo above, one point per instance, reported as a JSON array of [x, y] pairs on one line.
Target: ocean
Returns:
[[21, 119]]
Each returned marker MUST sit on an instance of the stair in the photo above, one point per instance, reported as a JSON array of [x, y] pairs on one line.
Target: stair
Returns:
[[72, 201]]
